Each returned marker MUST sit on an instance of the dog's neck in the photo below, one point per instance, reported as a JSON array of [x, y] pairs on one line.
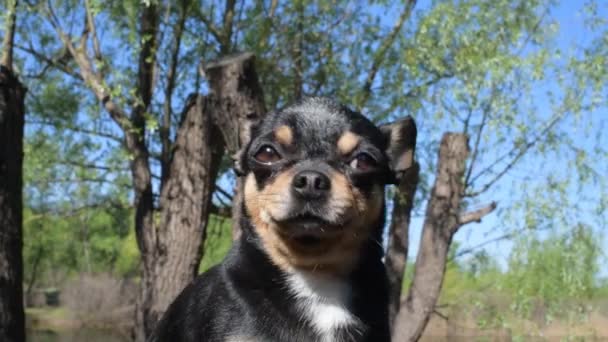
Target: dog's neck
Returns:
[[325, 302]]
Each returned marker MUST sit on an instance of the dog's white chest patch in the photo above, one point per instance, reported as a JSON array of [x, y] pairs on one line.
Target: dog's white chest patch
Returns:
[[323, 302]]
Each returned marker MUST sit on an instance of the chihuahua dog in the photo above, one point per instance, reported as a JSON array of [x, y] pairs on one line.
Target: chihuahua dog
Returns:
[[308, 265]]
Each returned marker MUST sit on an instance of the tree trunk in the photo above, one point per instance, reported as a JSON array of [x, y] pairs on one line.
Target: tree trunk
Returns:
[[146, 235], [209, 125], [185, 202], [441, 222], [396, 255], [12, 112], [239, 101]]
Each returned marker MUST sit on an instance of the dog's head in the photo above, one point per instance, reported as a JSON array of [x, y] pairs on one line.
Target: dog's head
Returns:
[[314, 184]]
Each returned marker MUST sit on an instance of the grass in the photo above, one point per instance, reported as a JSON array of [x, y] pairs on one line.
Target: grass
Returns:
[[50, 318], [217, 243]]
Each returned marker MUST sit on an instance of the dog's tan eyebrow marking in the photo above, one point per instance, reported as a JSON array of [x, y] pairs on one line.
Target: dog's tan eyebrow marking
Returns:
[[284, 135], [348, 142]]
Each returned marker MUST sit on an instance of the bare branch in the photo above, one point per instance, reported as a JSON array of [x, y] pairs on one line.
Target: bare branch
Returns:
[[93, 30], [476, 215], [107, 203], [9, 35], [442, 316], [223, 192], [273, 8], [415, 91], [227, 30], [297, 48], [81, 180], [57, 62], [519, 152], [487, 108], [215, 32], [165, 128], [381, 52], [86, 165], [487, 242], [54, 21], [87, 72], [79, 130]]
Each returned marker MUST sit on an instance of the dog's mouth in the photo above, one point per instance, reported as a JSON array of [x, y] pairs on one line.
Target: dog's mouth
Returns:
[[308, 229]]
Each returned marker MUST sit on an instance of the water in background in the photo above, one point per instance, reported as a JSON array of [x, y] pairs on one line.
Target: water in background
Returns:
[[77, 335]]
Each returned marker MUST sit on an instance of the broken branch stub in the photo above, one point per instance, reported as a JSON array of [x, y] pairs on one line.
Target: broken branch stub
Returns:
[[237, 101]]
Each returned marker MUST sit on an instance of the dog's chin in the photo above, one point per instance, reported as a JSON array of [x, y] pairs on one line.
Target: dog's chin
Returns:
[[308, 230]]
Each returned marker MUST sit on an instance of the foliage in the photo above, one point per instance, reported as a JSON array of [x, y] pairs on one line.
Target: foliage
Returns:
[[497, 70], [493, 69], [547, 278], [58, 245], [555, 270], [217, 242]]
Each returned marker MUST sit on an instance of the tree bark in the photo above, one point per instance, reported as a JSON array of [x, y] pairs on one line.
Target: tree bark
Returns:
[[12, 112], [441, 223], [396, 255], [185, 203], [238, 102], [209, 125]]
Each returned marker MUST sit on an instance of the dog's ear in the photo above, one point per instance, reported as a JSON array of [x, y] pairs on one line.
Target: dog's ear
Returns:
[[401, 144]]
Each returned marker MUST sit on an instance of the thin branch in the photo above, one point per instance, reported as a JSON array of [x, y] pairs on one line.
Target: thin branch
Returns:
[[9, 35], [78, 130], [85, 165], [215, 32], [521, 151], [442, 316], [415, 91], [75, 211], [227, 30], [471, 249], [223, 192], [273, 8], [296, 52], [487, 108], [92, 28], [238, 27], [165, 128], [95, 82], [54, 21], [381, 52], [476, 215], [58, 62], [149, 19], [222, 202], [451, 110], [468, 180], [496, 239], [80, 180]]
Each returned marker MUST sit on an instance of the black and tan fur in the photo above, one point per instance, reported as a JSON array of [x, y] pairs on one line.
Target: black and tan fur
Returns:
[[308, 266]]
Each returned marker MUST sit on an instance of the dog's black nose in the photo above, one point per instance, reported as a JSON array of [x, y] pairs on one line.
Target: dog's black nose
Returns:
[[310, 184]]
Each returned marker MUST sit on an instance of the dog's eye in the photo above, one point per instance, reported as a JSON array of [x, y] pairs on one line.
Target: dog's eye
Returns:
[[363, 162], [267, 155]]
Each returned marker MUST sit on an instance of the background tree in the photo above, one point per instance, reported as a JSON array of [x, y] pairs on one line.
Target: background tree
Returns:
[[12, 118], [478, 68]]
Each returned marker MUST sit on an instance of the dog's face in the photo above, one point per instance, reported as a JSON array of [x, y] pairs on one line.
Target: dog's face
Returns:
[[314, 182]]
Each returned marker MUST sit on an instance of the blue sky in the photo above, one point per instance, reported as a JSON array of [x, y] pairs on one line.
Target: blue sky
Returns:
[[572, 32]]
